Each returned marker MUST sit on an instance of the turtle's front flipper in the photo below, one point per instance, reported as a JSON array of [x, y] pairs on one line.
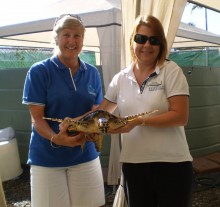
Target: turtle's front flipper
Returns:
[[82, 145], [98, 138]]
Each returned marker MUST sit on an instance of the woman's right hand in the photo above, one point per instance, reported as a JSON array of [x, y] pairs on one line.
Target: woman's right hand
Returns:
[[62, 138]]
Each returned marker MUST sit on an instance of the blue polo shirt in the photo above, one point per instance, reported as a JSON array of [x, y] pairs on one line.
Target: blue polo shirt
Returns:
[[49, 83]]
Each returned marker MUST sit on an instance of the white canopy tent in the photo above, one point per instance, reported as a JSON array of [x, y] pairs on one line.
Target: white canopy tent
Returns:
[[211, 4], [188, 36], [103, 19]]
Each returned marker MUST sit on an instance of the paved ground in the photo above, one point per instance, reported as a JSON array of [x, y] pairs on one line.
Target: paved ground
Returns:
[[17, 192]]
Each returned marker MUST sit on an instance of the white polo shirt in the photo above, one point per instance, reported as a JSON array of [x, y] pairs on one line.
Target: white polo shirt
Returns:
[[144, 143]]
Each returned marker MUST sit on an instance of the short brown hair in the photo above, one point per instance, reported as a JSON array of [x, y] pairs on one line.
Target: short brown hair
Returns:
[[153, 23]]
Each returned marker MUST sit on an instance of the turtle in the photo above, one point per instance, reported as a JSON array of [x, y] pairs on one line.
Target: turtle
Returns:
[[98, 122]]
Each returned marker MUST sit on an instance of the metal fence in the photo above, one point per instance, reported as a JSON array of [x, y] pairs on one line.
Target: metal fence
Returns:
[[12, 57]]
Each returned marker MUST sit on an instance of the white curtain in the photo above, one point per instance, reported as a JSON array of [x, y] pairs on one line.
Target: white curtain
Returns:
[[2, 195], [110, 44], [114, 168], [130, 10], [110, 51]]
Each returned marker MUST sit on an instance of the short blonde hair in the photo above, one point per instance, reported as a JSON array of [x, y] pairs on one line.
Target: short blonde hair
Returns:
[[153, 23], [67, 21]]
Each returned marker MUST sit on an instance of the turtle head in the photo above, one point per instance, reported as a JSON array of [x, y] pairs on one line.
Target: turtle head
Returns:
[[103, 125]]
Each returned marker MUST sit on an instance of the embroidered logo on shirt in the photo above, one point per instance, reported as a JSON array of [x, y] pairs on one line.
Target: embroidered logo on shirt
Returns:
[[154, 86], [91, 90], [154, 83]]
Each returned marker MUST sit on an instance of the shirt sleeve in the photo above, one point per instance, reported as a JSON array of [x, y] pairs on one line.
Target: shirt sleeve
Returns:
[[113, 89], [99, 92], [35, 86], [176, 83]]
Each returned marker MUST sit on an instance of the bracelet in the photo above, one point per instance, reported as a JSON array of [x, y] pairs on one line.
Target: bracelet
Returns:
[[51, 142]]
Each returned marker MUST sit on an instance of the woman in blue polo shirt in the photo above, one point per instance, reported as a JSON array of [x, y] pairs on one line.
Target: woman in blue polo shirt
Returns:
[[63, 86]]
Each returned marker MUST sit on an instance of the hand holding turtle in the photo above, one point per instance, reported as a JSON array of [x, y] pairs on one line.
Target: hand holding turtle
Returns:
[[63, 139]]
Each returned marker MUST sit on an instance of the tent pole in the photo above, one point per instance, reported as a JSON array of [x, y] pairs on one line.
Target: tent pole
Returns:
[[207, 48]]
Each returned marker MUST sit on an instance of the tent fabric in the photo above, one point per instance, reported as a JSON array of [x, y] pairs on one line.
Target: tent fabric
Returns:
[[211, 4], [114, 169], [36, 31], [2, 195], [196, 37], [131, 6], [110, 43], [109, 38], [120, 200], [168, 12]]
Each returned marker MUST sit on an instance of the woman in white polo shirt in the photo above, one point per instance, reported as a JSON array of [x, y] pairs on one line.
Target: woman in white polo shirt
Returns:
[[156, 162]]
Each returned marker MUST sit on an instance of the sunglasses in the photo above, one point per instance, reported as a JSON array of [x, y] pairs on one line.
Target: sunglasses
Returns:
[[142, 39], [64, 15]]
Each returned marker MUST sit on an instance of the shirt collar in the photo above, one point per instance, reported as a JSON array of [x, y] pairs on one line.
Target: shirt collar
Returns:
[[60, 65], [130, 72]]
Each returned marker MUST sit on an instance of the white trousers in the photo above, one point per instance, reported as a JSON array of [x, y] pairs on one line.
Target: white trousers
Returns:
[[77, 186]]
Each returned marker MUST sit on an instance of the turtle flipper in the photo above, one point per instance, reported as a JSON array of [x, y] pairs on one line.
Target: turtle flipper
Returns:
[[82, 145], [97, 140]]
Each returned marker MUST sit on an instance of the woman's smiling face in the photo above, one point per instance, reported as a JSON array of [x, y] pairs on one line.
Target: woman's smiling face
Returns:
[[70, 42], [146, 53]]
